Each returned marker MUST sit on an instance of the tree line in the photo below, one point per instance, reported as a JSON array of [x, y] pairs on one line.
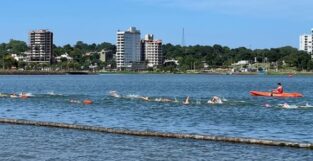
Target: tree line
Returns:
[[78, 51], [217, 56], [189, 57]]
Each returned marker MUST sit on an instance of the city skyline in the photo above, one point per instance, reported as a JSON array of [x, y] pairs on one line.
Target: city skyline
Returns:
[[237, 23]]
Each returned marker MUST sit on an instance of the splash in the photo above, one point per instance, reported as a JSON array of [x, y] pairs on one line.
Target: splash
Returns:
[[198, 102], [307, 105], [132, 96], [287, 106], [215, 100], [114, 94], [52, 93], [26, 94]]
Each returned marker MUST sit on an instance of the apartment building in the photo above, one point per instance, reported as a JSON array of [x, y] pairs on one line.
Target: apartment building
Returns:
[[306, 42], [128, 48], [152, 51], [41, 46]]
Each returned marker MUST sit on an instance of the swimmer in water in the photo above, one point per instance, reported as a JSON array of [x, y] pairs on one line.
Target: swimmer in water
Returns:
[[186, 101], [286, 105], [144, 98], [163, 100], [215, 100], [75, 101], [114, 94], [13, 95], [24, 95]]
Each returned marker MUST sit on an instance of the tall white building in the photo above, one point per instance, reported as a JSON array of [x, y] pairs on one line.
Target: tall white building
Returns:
[[306, 43], [152, 51], [128, 48]]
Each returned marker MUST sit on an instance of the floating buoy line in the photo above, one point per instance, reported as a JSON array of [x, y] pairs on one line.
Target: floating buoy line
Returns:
[[158, 134]]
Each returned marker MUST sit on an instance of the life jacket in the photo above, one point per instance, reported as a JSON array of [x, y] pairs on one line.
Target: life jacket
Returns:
[[280, 89]]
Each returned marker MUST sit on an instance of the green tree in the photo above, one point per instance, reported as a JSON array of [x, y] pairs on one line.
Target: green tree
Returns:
[[16, 46], [77, 55], [9, 62]]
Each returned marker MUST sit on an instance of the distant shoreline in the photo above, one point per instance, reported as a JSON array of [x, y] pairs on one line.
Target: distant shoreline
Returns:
[[17, 72], [213, 73]]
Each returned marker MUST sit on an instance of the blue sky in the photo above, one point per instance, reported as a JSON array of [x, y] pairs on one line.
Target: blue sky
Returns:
[[234, 23]]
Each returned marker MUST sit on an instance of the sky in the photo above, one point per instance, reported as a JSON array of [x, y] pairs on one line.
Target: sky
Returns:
[[234, 23]]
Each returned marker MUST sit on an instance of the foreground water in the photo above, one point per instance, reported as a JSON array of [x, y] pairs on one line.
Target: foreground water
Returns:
[[39, 143], [241, 115]]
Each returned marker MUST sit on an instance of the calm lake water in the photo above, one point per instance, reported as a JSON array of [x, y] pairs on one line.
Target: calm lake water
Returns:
[[241, 115]]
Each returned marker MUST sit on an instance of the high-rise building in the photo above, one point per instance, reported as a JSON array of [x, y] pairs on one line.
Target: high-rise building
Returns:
[[152, 51], [41, 46], [128, 48], [306, 43]]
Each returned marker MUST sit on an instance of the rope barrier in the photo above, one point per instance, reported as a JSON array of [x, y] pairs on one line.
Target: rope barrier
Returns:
[[158, 134]]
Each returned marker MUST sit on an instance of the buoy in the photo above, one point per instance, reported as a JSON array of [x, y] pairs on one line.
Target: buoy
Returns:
[[87, 102], [290, 75]]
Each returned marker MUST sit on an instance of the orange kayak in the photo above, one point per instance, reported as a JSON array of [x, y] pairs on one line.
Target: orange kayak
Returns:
[[269, 94]]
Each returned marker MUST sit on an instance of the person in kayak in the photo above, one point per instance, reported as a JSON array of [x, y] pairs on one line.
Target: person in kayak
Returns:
[[278, 90]]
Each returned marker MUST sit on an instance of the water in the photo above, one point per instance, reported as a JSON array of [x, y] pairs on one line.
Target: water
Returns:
[[241, 115], [52, 144]]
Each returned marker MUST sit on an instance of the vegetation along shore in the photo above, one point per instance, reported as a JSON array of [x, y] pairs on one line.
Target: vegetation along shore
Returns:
[[186, 59]]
